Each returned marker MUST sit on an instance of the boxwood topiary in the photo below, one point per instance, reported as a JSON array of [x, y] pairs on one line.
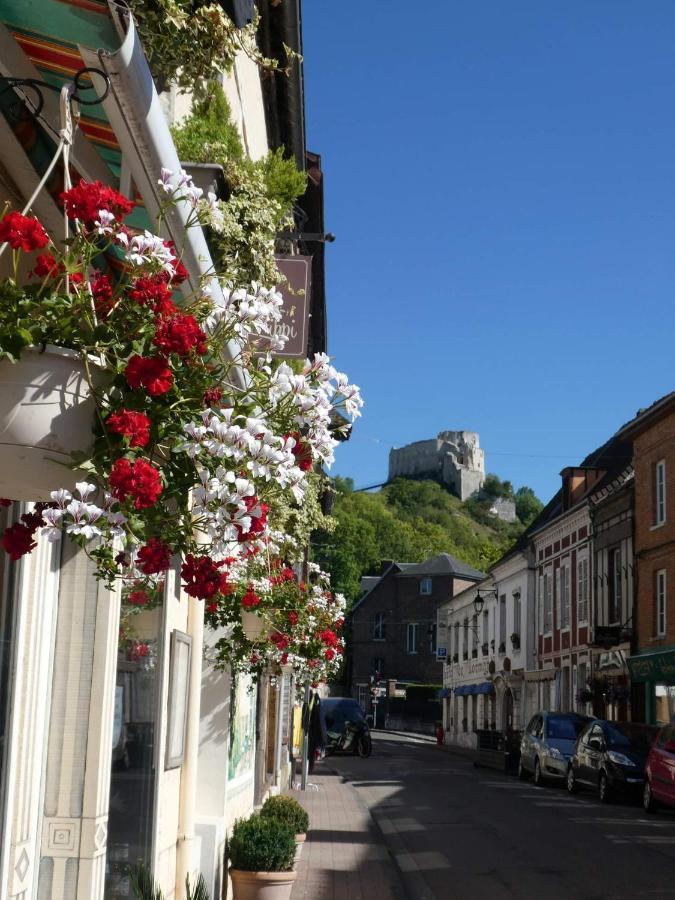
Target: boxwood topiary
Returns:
[[262, 844], [287, 810]]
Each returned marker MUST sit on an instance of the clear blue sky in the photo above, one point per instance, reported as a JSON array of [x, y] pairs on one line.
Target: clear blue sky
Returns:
[[501, 180]]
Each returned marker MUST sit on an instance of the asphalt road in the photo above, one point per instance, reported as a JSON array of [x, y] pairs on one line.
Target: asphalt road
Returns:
[[465, 833]]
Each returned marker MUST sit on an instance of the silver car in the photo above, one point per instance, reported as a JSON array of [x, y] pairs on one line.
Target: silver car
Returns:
[[548, 744]]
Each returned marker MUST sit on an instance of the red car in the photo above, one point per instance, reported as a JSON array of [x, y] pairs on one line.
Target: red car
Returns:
[[660, 771]]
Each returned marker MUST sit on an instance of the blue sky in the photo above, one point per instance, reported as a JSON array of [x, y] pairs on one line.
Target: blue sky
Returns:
[[501, 181]]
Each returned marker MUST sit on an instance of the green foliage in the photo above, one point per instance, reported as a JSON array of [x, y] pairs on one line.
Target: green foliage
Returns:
[[286, 809], [262, 844], [528, 505], [408, 521], [198, 892], [145, 887], [418, 693], [494, 487], [262, 192], [208, 134], [189, 41]]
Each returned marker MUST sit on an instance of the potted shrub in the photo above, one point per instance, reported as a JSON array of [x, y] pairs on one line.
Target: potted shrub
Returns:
[[288, 810], [262, 854]]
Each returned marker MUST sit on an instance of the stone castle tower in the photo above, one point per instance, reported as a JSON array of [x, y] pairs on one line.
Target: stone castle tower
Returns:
[[454, 457]]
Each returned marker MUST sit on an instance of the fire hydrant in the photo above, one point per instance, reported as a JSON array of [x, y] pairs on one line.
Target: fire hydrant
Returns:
[[440, 735]]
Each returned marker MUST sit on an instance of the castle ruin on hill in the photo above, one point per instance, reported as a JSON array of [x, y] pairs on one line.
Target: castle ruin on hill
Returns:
[[454, 457]]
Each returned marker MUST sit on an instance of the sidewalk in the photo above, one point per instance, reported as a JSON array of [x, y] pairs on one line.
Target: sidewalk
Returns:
[[344, 857]]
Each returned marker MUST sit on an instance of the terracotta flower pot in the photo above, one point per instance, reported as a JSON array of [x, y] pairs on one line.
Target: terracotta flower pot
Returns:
[[299, 844], [46, 413], [261, 885], [256, 625]]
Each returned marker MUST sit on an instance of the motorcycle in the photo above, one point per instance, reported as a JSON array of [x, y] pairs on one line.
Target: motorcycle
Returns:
[[355, 739]]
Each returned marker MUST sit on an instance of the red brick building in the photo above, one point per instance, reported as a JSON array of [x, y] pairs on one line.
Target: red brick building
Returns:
[[652, 665]]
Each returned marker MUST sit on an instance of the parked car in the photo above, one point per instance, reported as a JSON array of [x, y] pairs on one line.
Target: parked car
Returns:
[[659, 786], [548, 743], [346, 726], [610, 757]]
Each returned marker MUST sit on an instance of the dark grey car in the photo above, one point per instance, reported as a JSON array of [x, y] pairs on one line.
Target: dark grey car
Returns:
[[547, 745]]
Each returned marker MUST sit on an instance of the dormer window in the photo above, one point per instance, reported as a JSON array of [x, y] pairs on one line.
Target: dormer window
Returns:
[[426, 586]]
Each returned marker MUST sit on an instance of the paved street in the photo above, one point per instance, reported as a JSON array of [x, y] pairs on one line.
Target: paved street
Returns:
[[460, 832]]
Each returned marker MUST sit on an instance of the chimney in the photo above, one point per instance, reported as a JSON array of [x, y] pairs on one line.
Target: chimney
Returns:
[[384, 565], [577, 482]]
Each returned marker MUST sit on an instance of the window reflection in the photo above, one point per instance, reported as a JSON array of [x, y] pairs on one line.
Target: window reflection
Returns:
[[132, 778]]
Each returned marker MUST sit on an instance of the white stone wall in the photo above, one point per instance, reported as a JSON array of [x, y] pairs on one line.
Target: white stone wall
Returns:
[[453, 456]]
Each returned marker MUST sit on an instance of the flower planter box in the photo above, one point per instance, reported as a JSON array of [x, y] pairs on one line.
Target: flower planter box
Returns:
[[256, 625], [46, 413], [210, 177], [261, 885]]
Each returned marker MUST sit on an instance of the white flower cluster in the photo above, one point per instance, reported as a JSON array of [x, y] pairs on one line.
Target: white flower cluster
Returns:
[[207, 208], [251, 313], [225, 507], [147, 249], [79, 517], [249, 444]]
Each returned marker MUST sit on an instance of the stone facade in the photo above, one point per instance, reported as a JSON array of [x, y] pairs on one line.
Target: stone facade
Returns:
[[454, 457]]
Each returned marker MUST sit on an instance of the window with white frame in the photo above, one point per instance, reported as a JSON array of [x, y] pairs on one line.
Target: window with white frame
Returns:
[[379, 627], [465, 639], [474, 636], [456, 653], [517, 613], [411, 638], [660, 492], [548, 602], [502, 620], [661, 603], [426, 585], [582, 590], [565, 596]]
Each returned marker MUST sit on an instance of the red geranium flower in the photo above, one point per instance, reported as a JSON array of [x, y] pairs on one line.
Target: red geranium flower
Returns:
[[202, 577], [46, 266], [84, 201], [179, 334], [280, 640], [23, 232], [149, 372], [17, 540], [258, 522], [153, 291], [329, 654], [250, 598], [328, 637], [134, 425], [138, 480], [102, 292], [154, 557], [293, 618], [302, 452], [138, 598], [5, 502], [212, 397]]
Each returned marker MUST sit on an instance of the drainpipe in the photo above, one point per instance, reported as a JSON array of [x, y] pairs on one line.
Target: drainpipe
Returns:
[[185, 860]]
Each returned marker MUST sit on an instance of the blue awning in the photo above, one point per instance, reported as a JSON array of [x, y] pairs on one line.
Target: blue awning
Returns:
[[485, 687]]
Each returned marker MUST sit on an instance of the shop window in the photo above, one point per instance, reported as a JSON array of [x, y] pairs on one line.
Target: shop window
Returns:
[[660, 492], [136, 755], [661, 603], [6, 635]]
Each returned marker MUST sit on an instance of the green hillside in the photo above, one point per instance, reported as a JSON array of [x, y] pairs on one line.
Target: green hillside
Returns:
[[410, 520]]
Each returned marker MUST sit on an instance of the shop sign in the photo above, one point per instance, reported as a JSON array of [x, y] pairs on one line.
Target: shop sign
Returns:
[[653, 667], [296, 295], [470, 669]]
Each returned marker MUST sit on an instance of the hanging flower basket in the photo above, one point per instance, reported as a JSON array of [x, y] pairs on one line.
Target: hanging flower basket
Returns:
[[257, 626], [46, 414]]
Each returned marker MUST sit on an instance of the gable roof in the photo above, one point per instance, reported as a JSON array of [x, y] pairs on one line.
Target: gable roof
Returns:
[[445, 564]]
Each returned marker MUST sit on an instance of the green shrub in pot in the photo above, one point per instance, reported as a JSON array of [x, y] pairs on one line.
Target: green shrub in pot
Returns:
[[286, 809], [262, 844]]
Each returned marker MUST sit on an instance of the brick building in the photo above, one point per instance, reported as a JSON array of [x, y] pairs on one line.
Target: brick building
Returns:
[[652, 665], [394, 623]]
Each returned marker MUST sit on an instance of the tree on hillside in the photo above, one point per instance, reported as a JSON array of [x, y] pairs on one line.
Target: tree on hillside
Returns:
[[528, 505]]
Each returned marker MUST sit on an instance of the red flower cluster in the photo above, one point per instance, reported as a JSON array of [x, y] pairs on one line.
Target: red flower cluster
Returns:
[[153, 291], [212, 397], [179, 334], [17, 539], [149, 372], [328, 637], [329, 654], [46, 266], [138, 598], [154, 557], [84, 201], [180, 273], [138, 650], [5, 502], [302, 452], [134, 425], [250, 599], [293, 618], [202, 577], [136, 479], [257, 522], [23, 232], [102, 292], [283, 577], [280, 640]]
